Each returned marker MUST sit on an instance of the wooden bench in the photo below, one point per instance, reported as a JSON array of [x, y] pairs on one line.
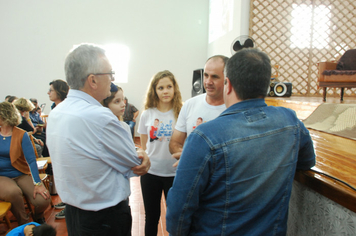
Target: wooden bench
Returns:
[[334, 80]]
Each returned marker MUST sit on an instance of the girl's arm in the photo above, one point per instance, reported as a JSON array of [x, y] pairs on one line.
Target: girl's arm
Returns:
[[135, 116], [144, 138]]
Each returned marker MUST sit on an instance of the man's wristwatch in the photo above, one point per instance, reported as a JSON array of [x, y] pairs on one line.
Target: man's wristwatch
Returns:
[[38, 184]]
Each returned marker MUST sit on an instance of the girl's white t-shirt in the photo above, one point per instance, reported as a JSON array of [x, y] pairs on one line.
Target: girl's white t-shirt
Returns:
[[159, 128]]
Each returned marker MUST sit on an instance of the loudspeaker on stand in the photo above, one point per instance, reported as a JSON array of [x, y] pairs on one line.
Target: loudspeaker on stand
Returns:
[[198, 82]]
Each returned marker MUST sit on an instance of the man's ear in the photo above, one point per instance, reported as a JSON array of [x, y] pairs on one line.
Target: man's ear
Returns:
[[92, 81], [228, 86]]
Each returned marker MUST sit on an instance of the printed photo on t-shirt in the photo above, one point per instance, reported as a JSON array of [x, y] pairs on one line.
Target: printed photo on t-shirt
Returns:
[[198, 122], [161, 131]]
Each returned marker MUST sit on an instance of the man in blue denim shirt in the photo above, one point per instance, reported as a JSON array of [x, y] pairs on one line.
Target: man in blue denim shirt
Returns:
[[235, 174]]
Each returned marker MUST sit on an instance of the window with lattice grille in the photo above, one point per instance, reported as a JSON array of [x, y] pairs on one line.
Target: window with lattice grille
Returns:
[[308, 22], [297, 35]]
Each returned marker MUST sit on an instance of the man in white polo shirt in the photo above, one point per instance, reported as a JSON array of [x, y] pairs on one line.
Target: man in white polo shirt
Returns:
[[201, 108]]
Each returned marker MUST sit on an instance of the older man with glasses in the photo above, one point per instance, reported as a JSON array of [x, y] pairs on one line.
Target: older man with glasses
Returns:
[[93, 156]]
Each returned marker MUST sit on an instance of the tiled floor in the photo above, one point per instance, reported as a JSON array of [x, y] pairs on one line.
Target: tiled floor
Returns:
[[137, 210]]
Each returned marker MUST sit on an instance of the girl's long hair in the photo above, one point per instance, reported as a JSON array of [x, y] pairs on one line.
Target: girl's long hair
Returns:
[[152, 99]]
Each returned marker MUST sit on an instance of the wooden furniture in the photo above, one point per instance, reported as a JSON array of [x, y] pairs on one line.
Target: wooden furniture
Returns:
[[42, 170], [4, 208], [43, 176], [44, 118], [48, 159], [45, 180], [29, 207], [334, 80], [44, 158], [336, 157]]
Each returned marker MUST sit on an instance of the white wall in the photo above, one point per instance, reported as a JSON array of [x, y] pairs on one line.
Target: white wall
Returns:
[[161, 34], [241, 17]]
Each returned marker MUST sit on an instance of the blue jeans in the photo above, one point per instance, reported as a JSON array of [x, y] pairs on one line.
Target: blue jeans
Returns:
[[132, 126]]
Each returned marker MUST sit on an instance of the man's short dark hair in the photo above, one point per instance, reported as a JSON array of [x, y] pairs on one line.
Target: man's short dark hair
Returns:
[[249, 72], [34, 100], [44, 230], [11, 99]]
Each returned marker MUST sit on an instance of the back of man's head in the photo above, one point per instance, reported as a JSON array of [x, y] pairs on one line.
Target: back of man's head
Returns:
[[35, 103], [44, 230], [82, 61], [33, 100], [249, 72]]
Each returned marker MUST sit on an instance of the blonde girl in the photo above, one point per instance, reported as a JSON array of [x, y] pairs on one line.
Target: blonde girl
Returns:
[[162, 106]]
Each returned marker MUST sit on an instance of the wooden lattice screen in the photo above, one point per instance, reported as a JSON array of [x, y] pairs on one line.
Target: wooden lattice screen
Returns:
[[299, 34]]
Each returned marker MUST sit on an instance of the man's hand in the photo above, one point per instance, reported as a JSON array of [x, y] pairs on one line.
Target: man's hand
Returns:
[[39, 141], [145, 165], [176, 164], [177, 156]]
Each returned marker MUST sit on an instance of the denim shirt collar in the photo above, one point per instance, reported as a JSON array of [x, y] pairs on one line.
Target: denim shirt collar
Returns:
[[244, 105]]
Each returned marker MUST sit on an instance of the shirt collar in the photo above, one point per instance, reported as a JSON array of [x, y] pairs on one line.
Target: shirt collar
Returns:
[[244, 105], [83, 95]]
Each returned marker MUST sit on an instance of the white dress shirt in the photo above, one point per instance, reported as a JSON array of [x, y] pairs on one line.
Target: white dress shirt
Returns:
[[92, 154]]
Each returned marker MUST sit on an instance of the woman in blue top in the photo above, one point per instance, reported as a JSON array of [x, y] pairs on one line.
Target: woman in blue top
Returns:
[[18, 168]]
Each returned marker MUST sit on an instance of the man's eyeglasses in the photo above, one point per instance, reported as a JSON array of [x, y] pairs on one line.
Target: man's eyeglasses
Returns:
[[112, 75]]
